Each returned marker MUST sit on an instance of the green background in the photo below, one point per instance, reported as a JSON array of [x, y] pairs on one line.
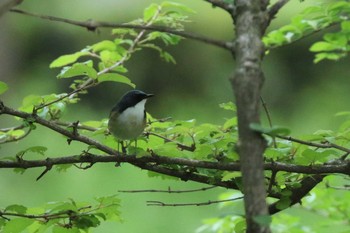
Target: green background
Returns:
[[300, 95]]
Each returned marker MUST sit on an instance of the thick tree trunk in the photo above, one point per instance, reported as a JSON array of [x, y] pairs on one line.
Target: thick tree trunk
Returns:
[[247, 83]]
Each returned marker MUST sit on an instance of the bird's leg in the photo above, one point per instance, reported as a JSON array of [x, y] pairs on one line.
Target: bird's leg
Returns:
[[123, 147]]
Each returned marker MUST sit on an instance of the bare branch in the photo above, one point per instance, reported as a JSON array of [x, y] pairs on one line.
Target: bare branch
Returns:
[[180, 145], [274, 9], [159, 203], [318, 145], [92, 25], [169, 190], [229, 7]]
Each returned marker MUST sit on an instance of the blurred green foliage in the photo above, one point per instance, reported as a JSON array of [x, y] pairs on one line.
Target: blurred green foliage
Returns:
[[295, 89]]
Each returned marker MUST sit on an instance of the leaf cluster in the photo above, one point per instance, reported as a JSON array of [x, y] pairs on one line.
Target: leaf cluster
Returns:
[[314, 19]]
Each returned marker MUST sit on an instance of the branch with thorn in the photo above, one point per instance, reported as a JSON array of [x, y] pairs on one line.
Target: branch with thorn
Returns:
[[159, 203], [169, 190]]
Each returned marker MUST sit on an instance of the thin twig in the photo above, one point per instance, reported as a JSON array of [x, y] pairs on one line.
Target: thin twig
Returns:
[[159, 203], [318, 145], [268, 119], [178, 144], [275, 8], [15, 139], [167, 191]]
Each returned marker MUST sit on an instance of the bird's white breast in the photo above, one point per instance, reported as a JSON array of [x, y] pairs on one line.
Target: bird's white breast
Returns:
[[134, 115], [130, 123]]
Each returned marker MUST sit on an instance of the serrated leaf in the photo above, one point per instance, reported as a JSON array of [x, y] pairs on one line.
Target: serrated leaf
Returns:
[[86, 221], [104, 45], [17, 225], [34, 149], [263, 220], [67, 59], [322, 46], [150, 11], [114, 77], [283, 203], [20, 209], [59, 229], [167, 57], [78, 69], [3, 87], [177, 6], [228, 106]]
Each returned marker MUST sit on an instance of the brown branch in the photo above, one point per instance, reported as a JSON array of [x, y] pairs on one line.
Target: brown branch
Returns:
[[275, 8], [229, 7], [159, 203], [342, 167], [338, 166], [178, 144], [92, 25], [169, 190], [307, 185], [314, 144]]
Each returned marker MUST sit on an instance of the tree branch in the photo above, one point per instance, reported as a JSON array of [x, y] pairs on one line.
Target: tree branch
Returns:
[[250, 24], [274, 9], [92, 25], [169, 190], [159, 203], [229, 7], [307, 185]]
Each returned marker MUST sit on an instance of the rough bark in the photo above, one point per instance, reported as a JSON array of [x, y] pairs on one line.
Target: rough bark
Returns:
[[247, 83]]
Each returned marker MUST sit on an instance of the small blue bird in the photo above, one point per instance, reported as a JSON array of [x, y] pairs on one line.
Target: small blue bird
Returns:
[[127, 119]]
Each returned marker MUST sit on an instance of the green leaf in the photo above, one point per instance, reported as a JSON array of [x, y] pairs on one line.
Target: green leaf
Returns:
[[114, 77], [86, 221], [109, 208], [177, 6], [263, 220], [17, 225], [228, 106], [167, 57], [322, 46], [68, 59], [59, 229], [110, 57], [150, 11], [283, 203], [34, 149], [20, 209], [274, 131], [104, 45], [78, 69], [3, 87]]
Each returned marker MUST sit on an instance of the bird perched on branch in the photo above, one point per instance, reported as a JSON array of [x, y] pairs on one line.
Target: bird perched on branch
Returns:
[[127, 119]]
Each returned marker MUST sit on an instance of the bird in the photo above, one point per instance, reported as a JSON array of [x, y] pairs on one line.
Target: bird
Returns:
[[127, 119]]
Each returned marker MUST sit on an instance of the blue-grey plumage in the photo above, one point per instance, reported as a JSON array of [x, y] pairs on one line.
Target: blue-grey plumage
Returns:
[[127, 119]]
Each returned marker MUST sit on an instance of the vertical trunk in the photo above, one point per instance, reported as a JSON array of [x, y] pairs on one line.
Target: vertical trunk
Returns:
[[247, 83]]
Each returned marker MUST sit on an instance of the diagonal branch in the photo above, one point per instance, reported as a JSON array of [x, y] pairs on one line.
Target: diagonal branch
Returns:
[[229, 7], [275, 8], [306, 186], [92, 25]]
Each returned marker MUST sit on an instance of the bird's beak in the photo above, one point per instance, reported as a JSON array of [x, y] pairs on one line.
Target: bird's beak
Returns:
[[149, 95]]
